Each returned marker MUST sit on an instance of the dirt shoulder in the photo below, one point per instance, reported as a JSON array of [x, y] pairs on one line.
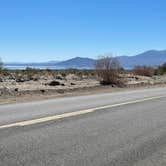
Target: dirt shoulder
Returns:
[[33, 96]]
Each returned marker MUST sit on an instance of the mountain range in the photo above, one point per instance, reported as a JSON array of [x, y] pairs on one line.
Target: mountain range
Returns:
[[148, 58]]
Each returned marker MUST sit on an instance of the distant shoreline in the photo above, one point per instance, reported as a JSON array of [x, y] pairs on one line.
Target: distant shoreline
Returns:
[[51, 67], [23, 67]]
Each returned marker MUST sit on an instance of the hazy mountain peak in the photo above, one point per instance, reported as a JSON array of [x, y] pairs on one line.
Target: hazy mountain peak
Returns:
[[148, 58], [152, 52], [77, 62]]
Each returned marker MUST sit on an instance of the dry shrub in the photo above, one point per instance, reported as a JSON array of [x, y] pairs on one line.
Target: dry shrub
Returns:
[[108, 69], [160, 70], [143, 71]]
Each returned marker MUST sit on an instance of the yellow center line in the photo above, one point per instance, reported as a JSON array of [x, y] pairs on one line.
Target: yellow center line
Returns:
[[75, 113]]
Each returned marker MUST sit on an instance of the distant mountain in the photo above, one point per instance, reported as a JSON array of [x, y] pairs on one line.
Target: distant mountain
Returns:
[[148, 58], [77, 62]]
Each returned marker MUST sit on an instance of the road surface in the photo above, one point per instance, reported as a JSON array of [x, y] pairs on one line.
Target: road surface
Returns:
[[118, 129]]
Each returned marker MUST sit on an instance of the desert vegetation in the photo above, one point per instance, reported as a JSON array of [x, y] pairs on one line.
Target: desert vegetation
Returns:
[[149, 71], [161, 70], [143, 71], [108, 70], [22, 81], [1, 64]]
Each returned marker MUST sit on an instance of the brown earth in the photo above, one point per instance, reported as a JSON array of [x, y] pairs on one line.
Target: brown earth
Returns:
[[45, 87]]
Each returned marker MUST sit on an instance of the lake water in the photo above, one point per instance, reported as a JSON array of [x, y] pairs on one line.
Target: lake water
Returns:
[[22, 67]]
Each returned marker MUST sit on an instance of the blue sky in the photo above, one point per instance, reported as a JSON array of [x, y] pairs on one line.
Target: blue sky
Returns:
[[42, 30]]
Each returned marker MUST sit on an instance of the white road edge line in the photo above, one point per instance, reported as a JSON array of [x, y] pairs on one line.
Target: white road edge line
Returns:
[[75, 113]]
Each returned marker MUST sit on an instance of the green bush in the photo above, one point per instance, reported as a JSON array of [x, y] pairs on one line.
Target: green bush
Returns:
[[161, 70], [1, 64]]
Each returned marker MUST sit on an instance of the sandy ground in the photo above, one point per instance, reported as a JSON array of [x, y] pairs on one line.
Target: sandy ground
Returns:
[[12, 91]]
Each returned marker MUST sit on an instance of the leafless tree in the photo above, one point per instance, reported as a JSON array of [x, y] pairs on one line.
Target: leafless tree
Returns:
[[107, 69]]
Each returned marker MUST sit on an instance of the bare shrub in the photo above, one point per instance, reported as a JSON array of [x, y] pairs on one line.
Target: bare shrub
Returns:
[[143, 71], [108, 69]]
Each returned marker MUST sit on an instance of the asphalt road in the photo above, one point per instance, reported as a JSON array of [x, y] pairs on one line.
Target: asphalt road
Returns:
[[128, 129]]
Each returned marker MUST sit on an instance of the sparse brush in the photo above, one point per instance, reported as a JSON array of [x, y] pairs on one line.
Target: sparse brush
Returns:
[[144, 71]]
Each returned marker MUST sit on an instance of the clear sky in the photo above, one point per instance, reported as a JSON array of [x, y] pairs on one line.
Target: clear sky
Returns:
[[42, 30]]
